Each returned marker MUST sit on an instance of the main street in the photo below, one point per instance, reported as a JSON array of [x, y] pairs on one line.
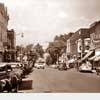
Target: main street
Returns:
[[51, 80]]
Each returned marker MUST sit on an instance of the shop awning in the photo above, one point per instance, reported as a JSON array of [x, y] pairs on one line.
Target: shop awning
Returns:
[[92, 58], [87, 55], [97, 58]]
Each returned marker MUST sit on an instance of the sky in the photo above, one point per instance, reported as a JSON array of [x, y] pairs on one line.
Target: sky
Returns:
[[41, 20]]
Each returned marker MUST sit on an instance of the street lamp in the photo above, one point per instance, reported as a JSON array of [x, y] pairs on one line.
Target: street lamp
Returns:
[[22, 35]]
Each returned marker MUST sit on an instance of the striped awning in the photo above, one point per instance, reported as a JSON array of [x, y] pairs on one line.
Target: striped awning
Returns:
[[92, 58], [87, 55]]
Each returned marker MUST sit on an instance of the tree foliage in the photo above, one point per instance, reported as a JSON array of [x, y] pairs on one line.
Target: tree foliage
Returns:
[[55, 49], [38, 48], [29, 47], [58, 46]]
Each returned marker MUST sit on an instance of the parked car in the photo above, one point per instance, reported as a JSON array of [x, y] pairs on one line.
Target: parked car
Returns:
[[62, 66], [85, 68], [71, 63], [9, 79], [3, 70], [55, 66], [40, 64], [17, 68], [4, 67]]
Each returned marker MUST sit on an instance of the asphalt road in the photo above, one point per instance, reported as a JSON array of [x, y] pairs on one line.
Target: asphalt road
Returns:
[[51, 80]]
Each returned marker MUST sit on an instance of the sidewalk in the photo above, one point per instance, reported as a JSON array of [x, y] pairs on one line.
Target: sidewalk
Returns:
[[26, 85]]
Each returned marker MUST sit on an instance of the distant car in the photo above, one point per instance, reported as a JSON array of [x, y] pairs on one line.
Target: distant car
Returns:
[[40, 65], [55, 66], [71, 63], [85, 68], [62, 66]]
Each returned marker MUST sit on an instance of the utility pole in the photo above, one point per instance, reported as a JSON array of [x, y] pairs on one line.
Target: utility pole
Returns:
[[21, 52]]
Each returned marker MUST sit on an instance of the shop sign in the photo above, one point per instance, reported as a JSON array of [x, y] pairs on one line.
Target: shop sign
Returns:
[[68, 46], [79, 46], [87, 44], [95, 40], [97, 52]]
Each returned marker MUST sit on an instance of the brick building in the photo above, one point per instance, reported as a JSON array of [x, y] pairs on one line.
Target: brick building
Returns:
[[95, 37], [11, 39], [76, 43], [68, 45], [11, 45]]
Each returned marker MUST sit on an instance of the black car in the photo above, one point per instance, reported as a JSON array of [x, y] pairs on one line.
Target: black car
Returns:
[[4, 68]]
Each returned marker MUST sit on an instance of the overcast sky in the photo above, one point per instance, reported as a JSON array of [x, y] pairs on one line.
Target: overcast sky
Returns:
[[41, 20]]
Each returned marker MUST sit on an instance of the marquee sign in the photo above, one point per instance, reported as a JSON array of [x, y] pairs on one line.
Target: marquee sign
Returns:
[[95, 40]]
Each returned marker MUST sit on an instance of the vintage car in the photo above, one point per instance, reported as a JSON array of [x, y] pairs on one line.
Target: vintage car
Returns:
[[85, 67], [17, 68], [4, 68], [71, 63], [55, 66], [40, 65]]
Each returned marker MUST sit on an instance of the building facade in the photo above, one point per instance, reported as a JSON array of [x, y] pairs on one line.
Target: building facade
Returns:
[[11, 39], [78, 43], [95, 37], [83, 42], [11, 46], [3, 29], [68, 45]]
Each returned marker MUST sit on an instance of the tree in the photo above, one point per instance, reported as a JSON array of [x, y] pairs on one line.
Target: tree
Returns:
[[55, 49], [20, 49], [38, 48], [29, 47], [56, 38]]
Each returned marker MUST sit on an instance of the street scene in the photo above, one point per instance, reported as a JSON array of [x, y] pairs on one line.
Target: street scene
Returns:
[[54, 81], [43, 49]]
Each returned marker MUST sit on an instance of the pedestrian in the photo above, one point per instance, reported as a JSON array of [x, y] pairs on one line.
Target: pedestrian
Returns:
[[25, 58], [18, 59], [8, 58]]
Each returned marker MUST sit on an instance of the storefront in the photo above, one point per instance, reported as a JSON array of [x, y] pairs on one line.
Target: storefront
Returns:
[[1, 52], [10, 56], [89, 54], [1, 56], [95, 43]]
